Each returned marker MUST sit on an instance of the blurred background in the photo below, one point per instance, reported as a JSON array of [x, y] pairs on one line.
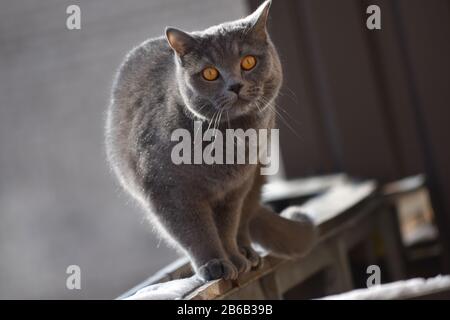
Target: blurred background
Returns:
[[370, 103]]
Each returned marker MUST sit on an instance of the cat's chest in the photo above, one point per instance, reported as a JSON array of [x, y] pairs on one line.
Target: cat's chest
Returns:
[[211, 181]]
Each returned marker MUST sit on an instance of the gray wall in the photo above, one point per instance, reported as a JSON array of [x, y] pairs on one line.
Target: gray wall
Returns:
[[59, 204]]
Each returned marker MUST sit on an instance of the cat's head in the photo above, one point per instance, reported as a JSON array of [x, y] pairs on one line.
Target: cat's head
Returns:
[[232, 67]]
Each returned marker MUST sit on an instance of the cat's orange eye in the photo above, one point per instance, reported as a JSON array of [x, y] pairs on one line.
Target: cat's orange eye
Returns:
[[248, 62], [210, 73]]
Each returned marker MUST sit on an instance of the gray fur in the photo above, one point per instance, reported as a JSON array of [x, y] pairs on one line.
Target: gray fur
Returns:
[[210, 212]]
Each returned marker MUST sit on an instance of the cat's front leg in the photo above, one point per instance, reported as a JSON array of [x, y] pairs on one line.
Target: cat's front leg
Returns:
[[192, 227], [245, 246], [249, 209], [227, 217]]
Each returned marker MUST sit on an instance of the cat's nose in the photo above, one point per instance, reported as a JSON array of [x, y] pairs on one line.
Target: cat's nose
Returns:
[[235, 87]]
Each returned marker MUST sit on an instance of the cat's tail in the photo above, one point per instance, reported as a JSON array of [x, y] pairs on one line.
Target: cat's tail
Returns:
[[291, 234]]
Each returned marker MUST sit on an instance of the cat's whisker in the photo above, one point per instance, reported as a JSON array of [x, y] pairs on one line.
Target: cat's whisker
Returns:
[[218, 124], [211, 120], [257, 106], [202, 107], [272, 106], [285, 121], [263, 106], [287, 114], [291, 95], [215, 124], [195, 135], [229, 126], [266, 106], [278, 107], [220, 119]]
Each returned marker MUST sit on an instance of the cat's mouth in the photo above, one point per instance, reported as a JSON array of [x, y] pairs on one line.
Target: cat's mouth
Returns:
[[235, 106], [237, 102]]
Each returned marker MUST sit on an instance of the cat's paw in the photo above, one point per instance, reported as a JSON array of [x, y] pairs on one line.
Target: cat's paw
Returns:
[[241, 262], [217, 269], [252, 256]]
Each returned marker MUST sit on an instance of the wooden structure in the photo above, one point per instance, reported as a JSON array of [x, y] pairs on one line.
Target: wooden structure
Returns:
[[436, 288], [371, 103], [347, 213]]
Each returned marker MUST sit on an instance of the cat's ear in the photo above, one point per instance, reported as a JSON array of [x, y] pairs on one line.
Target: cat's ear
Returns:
[[258, 20], [180, 41]]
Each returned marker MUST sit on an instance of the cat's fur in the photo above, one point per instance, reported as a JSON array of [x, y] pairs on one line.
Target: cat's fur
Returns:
[[211, 212]]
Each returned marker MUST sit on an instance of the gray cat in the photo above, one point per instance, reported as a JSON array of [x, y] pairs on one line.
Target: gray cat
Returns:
[[211, 212]]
